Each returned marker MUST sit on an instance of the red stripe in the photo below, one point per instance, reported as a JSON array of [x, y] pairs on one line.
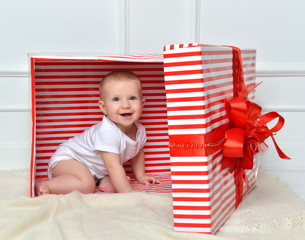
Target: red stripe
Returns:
[[158, 165], [191, 199], [179, 73], [99, 76], [192, 208], [77, 62], [184, 81], [103, 68], [62, 83], [185, 90], [80, 95], [41, 164], [188, 173], [183, 54], [43, 114], [155, 146], [33, 126], [48, 145], [192, 216], [181, 64], [192, 225], [42, 176], [67, 102], [157, 170], [188, 164], [80, 89], [70, 120], [66, 108], [190, 181]]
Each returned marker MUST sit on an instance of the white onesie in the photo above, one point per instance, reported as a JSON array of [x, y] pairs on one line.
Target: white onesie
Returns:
[[104, 136]]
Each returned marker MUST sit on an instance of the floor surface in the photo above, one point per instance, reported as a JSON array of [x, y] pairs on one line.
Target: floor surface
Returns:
[[294, 179]]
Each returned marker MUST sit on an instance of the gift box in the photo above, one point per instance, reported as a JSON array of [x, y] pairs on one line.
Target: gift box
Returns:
[[187, 91], [199, 80]]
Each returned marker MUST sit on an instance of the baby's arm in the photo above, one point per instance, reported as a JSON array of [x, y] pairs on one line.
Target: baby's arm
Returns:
[[138, 167], [116, 172]]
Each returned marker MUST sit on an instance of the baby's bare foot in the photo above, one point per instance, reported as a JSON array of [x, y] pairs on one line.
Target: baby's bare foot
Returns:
[[41, 188], [106, 185]]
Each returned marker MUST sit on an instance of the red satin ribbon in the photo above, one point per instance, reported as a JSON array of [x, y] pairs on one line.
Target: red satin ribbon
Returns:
[[248, 129]]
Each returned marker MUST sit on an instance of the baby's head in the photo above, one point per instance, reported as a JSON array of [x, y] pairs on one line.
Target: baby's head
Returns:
[[121, 98], [118, 75]]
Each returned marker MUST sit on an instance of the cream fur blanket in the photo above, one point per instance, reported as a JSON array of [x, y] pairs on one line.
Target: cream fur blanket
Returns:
[[270, 211]]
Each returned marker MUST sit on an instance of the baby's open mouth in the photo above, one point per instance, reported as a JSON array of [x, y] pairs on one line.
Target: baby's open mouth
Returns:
[[126, 114]]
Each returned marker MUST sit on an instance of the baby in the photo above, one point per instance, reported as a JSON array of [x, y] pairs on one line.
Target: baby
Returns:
[[97, 155]]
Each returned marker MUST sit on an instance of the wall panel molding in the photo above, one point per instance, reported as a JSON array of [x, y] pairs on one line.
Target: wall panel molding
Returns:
[[15, 108], [5, 74], [194, 10], [123, 26]]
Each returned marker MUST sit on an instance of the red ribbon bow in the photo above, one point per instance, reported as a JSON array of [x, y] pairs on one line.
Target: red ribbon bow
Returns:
[[248, 131]]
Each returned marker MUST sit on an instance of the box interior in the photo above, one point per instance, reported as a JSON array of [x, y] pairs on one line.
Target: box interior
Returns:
[[66, 97]]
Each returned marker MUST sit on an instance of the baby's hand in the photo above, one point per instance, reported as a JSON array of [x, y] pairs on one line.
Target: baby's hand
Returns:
[[147, 179]]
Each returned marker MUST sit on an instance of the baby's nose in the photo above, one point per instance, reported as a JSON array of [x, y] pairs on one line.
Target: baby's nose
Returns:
[[126, 104]]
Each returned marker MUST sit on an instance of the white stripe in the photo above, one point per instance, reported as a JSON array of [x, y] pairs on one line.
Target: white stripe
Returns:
[[199, 85], [190, 177], [196, 121], [191, 203], [189, 168], [186, 220], [197, 67], [190, 186], [193, 230], [151, 150], [156, 155], [191, 195], [182, 59], [158, 168], [192, 212], [183, 77], [156, 143], [197, 130], [189, 159]]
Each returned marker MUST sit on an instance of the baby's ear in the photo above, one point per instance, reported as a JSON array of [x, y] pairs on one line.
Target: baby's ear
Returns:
[[102, 106], [143, 101]]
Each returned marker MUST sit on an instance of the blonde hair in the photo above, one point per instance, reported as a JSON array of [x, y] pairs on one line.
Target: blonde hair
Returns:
[[119, 75]]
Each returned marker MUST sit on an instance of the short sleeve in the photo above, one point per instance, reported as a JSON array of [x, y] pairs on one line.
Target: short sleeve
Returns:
[[143, 137], [107, 140]]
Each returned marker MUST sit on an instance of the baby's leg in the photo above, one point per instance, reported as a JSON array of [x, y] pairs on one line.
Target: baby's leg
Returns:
[[105, 185], [69, 176]]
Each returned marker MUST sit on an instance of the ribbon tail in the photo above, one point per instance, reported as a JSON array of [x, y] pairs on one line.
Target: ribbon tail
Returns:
[[279, 151]]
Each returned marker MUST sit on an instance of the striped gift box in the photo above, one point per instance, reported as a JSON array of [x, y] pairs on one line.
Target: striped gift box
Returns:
[[199, 81], [185, 94]]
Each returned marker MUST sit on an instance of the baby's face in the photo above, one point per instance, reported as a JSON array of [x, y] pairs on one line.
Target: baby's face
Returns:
[[122, 102]]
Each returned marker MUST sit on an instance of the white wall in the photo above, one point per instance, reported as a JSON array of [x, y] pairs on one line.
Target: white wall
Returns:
[[143, 26]]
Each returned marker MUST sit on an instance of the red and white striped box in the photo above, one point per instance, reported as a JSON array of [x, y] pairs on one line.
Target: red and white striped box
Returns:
[[199, 81], [185, 96]]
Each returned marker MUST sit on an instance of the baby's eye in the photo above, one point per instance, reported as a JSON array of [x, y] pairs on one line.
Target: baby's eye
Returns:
[[133, 98], [116, 99]]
